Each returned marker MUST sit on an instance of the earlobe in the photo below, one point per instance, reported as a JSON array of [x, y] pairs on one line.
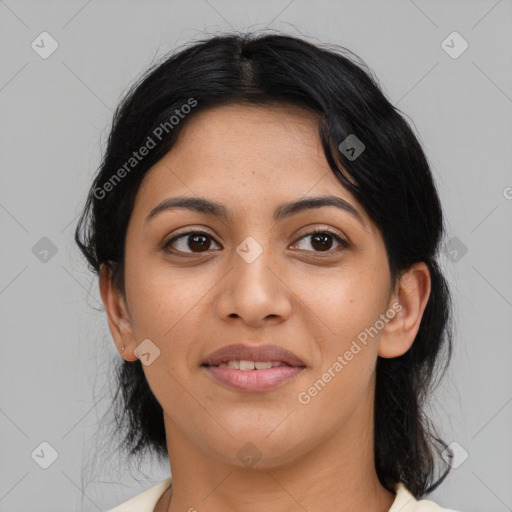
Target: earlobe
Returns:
[[118, 317], [412, 294]]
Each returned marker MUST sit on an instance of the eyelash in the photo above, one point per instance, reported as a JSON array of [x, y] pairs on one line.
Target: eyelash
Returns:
[[343, 243]]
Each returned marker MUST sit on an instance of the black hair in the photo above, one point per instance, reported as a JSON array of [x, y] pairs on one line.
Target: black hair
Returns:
[[391, 179]]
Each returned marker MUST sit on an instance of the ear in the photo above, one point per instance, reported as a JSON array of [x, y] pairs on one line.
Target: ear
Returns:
[[409, 302], [118, 316]]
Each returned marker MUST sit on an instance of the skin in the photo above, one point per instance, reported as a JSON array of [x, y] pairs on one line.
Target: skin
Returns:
[[314, 457]]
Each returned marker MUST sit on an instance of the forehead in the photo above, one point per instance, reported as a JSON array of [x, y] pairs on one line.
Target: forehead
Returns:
[[245, 156], [238, 141]]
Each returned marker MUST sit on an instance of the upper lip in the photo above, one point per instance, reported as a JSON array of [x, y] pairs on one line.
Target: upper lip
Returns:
[[252, 353]]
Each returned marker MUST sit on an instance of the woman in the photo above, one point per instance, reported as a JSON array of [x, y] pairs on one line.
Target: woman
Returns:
[[265, 227]]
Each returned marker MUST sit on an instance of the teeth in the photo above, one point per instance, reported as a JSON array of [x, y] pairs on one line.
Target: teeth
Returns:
[[250, 365], [263, 365]]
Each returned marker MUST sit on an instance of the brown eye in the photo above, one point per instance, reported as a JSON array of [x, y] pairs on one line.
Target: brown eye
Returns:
[[323, 239], [191, 242]]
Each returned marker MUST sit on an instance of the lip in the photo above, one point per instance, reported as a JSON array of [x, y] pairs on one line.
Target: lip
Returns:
[[245, 352], [253, 380]]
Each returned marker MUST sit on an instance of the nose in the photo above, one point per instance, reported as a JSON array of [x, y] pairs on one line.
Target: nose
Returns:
[[255, 290]]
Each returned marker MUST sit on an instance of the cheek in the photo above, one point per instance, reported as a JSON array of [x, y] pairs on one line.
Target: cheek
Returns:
[[343, 304], [168, 306], [159, 297], [343, 312]]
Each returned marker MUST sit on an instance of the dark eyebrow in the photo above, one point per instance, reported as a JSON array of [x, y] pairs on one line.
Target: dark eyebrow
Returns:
[[206, 206]]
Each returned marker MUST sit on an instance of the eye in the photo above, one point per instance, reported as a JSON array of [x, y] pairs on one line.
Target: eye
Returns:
[[322, 240], [196, 241], [199, 241]]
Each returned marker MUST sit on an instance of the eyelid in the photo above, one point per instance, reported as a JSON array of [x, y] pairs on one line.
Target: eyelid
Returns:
[[321, 229]]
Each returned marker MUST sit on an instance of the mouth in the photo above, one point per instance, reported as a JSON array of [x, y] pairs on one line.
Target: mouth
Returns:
[[250, 357], [253, 369]]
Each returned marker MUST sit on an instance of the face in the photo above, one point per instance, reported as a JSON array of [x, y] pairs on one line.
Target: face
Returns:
[[254, 278]]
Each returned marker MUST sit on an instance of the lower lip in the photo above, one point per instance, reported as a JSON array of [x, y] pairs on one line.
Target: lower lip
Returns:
[[254, 380]]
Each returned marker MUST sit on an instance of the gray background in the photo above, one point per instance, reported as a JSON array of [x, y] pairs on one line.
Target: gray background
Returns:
[[55, 112]]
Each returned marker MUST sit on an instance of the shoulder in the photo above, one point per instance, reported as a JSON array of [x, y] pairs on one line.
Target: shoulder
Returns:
[[145, 501], [406, 502]]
